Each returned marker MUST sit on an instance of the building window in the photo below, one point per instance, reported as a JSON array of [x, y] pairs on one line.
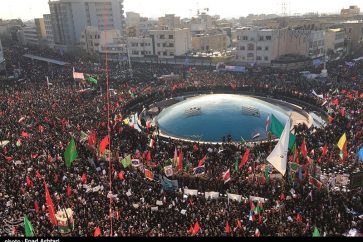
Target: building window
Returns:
[[261, 38], [162, 36], [245, 37], [135, 52], [171, 54], [266, 47], [134, 44], [259, 48], [243, 58], [258, 58], [164, 44], [268, 37], [142, 44], [171, 44], [238, 37], [250, 55], [158, 44], [165, 53], [266, 58], [242, 48], [171, 36], [250, 47], [158, 52]]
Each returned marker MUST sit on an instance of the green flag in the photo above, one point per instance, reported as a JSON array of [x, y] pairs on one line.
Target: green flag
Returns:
[[71, 153], [28, 227], [92, 80], [186, 166], [277, 128], [236, 164], [266, 173], [316, 232], [126, 161]]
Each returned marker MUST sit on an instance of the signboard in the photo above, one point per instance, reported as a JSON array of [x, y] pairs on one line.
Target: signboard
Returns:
[[356, 180]]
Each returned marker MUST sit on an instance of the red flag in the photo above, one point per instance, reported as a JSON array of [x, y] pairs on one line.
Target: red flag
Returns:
[[25, 134], [202, 161], [104, 144], [148, 156], [244, 159], [335, 102], [69, 190], [41, 129], [345, 151], [36, 207], [325, 149], [227, 228], [190, 231], [306, 172], [29, 182], [84, 178], [342, 111], [303, 149], [252, 206], [50, 206], [195, 229], [282, 197], [121, 175], [180, 163], [97, 232], [298, 217], [226, 176], [37, 174], [349, 96], [330, 119], [8, 158], [33, 156], [239, 225], [361, 95], [92, 138]]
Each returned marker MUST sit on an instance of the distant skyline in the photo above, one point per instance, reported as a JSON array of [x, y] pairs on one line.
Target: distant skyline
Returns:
[[30, 9]]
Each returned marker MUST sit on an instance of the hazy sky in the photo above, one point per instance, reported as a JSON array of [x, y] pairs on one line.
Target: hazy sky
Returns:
[[28, 9]]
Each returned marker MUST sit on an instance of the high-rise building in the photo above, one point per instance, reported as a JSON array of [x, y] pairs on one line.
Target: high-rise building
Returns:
[[35, 34], [48, 30], [70, 17], [350, 12], [2, 60]]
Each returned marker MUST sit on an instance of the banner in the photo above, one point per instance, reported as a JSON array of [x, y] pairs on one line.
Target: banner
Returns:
[[314, 182], [235, 197], [168, 170], [168, 185], [211, 195], [190, 192], [258, 199], [135, 163]]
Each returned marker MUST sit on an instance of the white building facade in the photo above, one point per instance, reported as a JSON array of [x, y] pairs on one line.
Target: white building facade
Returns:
[[169, 43], [70, 17]]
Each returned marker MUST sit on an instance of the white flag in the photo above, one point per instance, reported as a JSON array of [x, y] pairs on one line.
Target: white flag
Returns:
[[278, 157]]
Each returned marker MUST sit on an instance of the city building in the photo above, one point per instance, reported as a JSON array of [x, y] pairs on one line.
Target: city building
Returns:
[[140, 46], [316, 43], [334, 39], [170, 20], [2, 60], [261, 46], [216, 41], [132, 19], [34, 35], [48, 30], [350, 12], [93, 39], [168, 43], [353, 34], [70, 17], [145, 26]]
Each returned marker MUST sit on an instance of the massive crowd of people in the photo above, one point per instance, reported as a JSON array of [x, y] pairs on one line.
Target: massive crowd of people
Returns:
[[39, 120]]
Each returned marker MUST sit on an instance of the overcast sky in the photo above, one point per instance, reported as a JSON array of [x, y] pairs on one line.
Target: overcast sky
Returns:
[[28, 9]]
